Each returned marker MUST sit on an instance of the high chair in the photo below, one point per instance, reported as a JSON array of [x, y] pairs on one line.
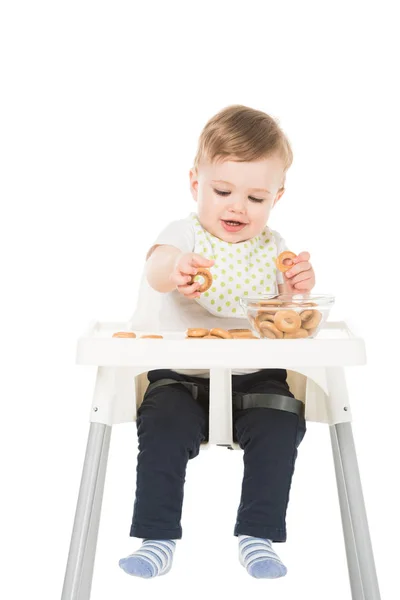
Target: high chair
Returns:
[[315, 375]]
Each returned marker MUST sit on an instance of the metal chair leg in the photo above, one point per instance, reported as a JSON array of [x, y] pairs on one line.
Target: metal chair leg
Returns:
[[360, 559], [79, 571]]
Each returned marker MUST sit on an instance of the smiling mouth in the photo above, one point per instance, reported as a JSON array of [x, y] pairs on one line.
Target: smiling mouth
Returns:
[[233, 223], [233, 226]]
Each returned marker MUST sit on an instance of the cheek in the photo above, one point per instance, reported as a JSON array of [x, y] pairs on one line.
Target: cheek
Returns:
[[259, 216], [260, 211], [207, 200], [204, 206]]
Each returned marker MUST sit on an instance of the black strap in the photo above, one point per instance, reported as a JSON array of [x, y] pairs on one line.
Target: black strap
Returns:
[[277, 401], [243, 401], [192, 387]]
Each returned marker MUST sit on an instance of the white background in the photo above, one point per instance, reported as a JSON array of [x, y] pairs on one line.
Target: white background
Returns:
[[102, 105]]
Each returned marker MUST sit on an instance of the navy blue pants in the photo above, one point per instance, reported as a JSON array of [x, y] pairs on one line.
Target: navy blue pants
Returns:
[[171, 426]]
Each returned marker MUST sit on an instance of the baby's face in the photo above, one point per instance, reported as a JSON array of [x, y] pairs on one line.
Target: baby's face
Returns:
[[235, 198]]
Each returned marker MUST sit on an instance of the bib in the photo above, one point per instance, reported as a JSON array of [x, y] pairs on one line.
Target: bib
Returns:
[[241, 269]]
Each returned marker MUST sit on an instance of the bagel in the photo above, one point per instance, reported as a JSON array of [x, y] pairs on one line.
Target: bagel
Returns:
[[271, 302], [196, 332], [300, 333], [287, 321], [310, 319], [242, 334], [267, 316], [207, 277], [220, 333], [268, 329], [124, 334], [245, 336], [280, 260]]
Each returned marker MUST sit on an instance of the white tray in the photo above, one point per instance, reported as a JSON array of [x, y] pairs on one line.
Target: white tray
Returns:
[[335, 345]]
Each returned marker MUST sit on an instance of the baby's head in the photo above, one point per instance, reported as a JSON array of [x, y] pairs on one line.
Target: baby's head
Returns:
[[239, 172]]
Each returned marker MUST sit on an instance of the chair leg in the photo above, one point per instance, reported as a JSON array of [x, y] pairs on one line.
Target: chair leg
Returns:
[[360, 559], [79, 571]]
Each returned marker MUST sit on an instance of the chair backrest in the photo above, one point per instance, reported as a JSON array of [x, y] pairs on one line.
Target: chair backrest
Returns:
[[297, 383]]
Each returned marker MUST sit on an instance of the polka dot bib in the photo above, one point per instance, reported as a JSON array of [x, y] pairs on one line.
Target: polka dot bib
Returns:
[[242, 269]]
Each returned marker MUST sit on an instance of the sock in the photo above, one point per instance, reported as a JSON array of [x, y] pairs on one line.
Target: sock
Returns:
[[260, 560], [153, 558]]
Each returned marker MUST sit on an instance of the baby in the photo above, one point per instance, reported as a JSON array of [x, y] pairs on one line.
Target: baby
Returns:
[[237, 178]]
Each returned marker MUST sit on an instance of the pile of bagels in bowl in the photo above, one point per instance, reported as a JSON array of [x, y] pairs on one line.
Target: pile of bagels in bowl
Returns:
[[287, 316]]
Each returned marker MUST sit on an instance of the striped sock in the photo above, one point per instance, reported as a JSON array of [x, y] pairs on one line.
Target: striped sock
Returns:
[[260, 560], [153, 558]]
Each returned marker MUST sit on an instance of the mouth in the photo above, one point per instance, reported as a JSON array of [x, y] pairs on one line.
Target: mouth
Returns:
[[232, 226]]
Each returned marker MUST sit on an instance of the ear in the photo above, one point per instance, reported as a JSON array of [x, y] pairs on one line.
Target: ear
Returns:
[[278, 196], [194, 183]]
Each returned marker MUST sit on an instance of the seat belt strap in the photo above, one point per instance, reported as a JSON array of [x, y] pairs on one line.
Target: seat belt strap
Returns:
[[192, 387], [243, 401], [277, 401]]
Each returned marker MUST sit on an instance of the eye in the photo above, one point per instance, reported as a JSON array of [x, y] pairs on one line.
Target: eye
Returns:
[[256, 199], [221, 193]]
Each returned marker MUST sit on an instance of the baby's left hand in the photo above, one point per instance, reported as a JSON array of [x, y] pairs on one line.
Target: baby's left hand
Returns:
[[300, 277]]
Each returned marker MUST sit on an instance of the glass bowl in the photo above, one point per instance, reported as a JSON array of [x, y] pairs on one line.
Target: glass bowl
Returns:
[[287, 316]]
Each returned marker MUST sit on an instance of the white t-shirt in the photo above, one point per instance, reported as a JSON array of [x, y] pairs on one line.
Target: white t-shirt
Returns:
[[158, 312]]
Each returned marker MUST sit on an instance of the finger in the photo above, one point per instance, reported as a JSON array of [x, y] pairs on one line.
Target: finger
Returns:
[[301, 277], [200, 261], [188, 289], [303, 266], [302, 257], [179, 279], [186, 269], [304, 286]]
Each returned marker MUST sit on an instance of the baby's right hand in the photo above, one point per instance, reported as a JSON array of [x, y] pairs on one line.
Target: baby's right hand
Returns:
[[185, 267]]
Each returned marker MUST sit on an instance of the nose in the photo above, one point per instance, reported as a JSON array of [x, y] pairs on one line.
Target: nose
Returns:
[[238, 205]]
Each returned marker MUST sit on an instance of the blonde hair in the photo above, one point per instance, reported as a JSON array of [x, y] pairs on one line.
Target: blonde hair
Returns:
[[243, 134]]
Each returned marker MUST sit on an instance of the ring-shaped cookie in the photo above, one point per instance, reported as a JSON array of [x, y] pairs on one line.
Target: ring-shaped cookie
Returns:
[[221, 333], [310, 318], [205, 273], [262, 317], [287, 320], [241, 333], [268, 309], [197, 332], [238, 331], [267, 328], [300, 333], [124, 334], [280, 260], [262, 303], [244, 336]]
